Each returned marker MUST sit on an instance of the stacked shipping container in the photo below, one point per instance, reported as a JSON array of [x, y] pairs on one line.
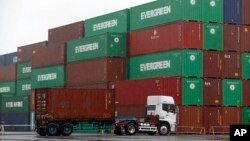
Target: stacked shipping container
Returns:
[[194, 42]]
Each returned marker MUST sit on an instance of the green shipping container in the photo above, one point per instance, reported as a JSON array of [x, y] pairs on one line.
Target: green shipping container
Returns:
[[213, 36], [246, 65], [246, 115], [23, 87], [105, 45], [8, 88], [23, 70], [173, 63], [192, 91], [212, 11], [48, 77], [15, 104], [232, 92], [113, 22], [164, 11]]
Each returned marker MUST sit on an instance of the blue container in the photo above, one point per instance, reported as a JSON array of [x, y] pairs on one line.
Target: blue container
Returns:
[[15, 121], [1, 60], [233, 11], [10, 59]]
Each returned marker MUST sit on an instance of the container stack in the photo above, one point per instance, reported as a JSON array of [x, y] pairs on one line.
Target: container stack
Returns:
[[196, 51], [13, 108], [99, 58], [24, 75]]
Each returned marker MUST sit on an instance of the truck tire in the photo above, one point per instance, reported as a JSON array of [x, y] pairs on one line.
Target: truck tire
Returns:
[[130, 129], [53, 129], [164, 129], [66, 129], [41, 131]]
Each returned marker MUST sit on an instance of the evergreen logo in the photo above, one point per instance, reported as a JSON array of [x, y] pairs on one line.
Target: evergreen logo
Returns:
[[4, 89], [192, 2], [26, 70], [212, 31], [192, 57], [105, 25], [155, 65], [155, 12], [212, 3], [46, 77], [85, 48], [232, 87], [14, 104], [192, 86]]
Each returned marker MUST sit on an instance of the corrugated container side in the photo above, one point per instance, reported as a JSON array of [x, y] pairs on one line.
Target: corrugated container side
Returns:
[[231, 65], [126, 91], [48, 77], [10, 59], [233, 11], [212, 64], [230, 116], [181, 35], [105, 45], [231, 37], [143, 16], [246, 12], [246, 93], [212, 92], [53, 54], [130, 111], [192, 91], [245, 65], [16, 119], [23, 70], [103, 85], [23, 87], [24, 53], [213, 36], [232, 92], [62, 104], [172, 63], [212, 11], [117, 22], [190, 119], [15, 104], [1, 60], [102, 70], [245, 35], [212, 119], [246, 115], [8, 73], [62, 34], [8, 88]]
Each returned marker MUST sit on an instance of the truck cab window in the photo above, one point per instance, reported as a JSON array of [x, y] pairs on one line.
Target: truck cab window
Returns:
[[151, 107], [168, 108]]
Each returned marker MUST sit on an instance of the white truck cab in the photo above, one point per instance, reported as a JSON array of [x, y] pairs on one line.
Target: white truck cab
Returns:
[[164, 106]]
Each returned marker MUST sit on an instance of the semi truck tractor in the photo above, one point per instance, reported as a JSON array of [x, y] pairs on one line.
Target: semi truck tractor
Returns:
[[57, 110]]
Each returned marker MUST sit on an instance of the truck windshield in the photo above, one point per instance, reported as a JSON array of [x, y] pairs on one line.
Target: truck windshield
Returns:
[[168, 108]]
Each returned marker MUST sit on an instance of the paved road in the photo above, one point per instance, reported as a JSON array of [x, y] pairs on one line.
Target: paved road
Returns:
[[89, 137]]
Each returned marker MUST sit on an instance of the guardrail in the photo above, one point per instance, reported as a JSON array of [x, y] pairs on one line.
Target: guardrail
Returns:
[[219, 130], [2, 127]]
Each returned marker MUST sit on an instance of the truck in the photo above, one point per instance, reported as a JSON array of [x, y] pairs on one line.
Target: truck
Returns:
[[57, 110]]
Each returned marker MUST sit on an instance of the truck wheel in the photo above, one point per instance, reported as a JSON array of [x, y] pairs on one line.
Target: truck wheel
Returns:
[[53, 129], [41, 131], [164, 129], [66, 129], [130, 129]]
